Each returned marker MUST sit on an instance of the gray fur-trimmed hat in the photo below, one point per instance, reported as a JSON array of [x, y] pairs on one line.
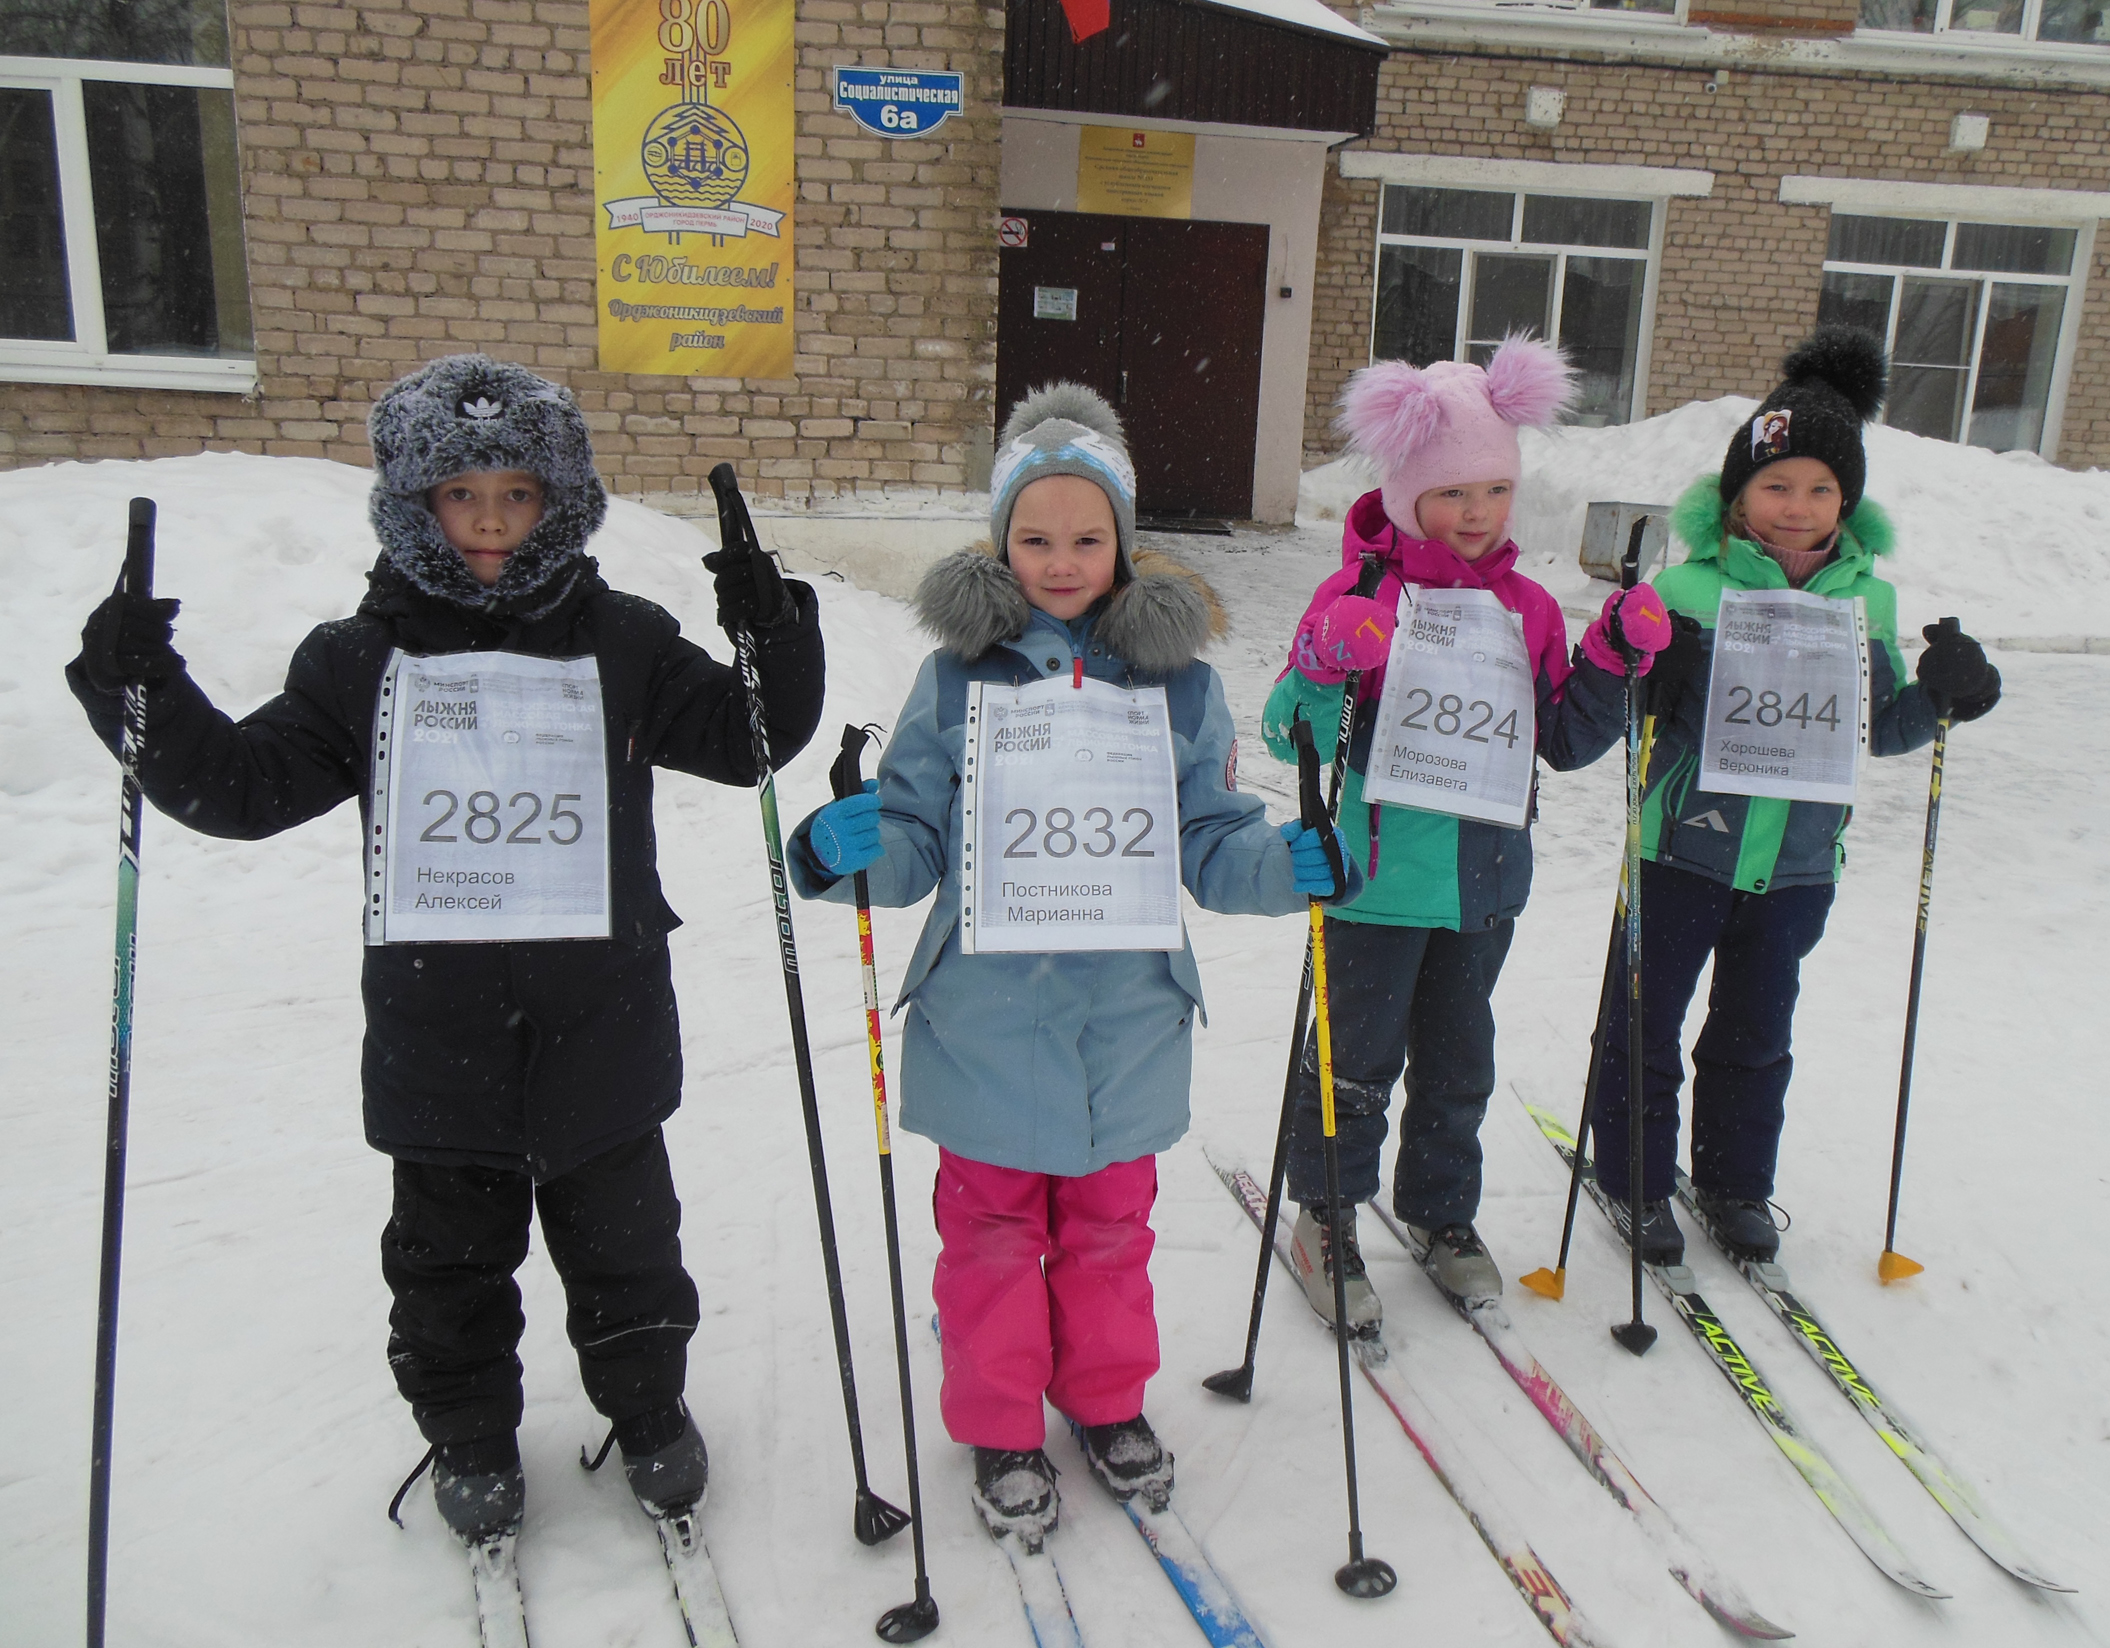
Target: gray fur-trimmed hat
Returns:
[[1065, 429], [469, 412]]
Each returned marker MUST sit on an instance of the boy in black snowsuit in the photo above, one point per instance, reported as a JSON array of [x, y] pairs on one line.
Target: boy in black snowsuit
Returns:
[[511, 1068]]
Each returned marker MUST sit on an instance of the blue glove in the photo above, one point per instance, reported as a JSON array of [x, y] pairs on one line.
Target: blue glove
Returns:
[[845, 833], [1307, 856]]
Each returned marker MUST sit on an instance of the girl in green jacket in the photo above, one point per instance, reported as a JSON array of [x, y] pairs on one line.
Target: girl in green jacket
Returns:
[[1748, 880]]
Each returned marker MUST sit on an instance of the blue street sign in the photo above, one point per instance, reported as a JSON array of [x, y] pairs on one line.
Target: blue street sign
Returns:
[[899, 102]]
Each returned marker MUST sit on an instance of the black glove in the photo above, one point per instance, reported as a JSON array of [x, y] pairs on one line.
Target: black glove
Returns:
[[751, 593], [1677, 666], [1953, 667], [1971, 708], [127, 639]]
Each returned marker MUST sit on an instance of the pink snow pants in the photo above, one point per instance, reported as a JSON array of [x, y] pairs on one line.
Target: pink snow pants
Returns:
[[1043, 1290]]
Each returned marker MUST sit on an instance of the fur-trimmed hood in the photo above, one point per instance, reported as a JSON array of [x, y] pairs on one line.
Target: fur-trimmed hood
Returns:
[[1700, 520], [470, 412], [1160, 621]]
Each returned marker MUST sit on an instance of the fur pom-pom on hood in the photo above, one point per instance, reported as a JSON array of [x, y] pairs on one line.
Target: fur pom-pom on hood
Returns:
[[1159, 621]]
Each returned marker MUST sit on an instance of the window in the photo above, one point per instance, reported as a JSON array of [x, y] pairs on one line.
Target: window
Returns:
[[121, 256], [1459, 269], [1972, 313], [2064, 22]]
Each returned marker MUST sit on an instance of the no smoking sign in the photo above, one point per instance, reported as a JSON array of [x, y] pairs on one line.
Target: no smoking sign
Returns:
[[1011, 232]]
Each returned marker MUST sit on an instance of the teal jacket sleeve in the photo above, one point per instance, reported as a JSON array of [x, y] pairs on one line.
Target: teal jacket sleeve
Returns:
[[1232, 859]]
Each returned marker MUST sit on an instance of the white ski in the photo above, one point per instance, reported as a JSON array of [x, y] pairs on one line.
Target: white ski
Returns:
[[501, 1613], [703, 1611]]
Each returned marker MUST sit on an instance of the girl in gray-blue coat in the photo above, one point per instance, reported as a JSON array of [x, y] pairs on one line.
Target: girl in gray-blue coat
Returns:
[[1050, 1080]]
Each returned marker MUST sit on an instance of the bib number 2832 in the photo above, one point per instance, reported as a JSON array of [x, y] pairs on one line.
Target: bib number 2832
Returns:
[[490, 803], [1070, 819]]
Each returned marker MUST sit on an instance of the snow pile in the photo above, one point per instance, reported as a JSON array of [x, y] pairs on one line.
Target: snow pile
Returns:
[[2009, 543]]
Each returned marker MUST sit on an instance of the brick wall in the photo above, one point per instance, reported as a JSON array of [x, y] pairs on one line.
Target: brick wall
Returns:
[[1741, 271], [417, 180]]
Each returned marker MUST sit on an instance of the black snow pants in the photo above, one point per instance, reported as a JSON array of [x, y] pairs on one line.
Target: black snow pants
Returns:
[[1743, 1059], [1413, 999], [458, 1234]]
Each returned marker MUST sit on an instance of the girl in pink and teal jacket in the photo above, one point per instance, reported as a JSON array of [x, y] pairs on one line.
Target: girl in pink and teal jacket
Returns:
[[1413, 961]]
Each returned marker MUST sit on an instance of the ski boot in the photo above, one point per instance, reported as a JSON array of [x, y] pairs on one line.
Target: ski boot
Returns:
[[1744, 1227], [1459, 1262], [1130, 1460], [1662, 1241], [1311, 1254], [1014, 1493], [479, 1487], [665, 1461]]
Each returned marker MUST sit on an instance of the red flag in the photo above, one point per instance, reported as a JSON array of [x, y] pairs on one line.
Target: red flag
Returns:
[[1087, 17]]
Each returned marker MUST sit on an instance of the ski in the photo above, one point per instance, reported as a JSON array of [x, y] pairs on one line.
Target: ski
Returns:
[[1955, 1496], [1200, 1586], [1562, 1620], [696, 1592], [1702, 1580], [501, 1611], [1042, 1594], [1676, 1284]]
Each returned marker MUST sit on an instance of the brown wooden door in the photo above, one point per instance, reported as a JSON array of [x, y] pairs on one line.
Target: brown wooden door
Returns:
[[1168, 325], [1193, 300]]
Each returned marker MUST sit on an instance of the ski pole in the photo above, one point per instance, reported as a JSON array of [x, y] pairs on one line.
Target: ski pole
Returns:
[[874, 1520], [911, 1621], [1893, 1266], [138, 582], [1636, 1335], [1359, 1576], [1238, 1382], [1554, 1283]]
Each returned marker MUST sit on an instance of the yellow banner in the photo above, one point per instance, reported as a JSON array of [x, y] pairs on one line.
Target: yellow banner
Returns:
[[1135, 174], [693, 189]]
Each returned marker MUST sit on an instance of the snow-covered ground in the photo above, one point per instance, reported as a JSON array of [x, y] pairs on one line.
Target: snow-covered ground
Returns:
[[259, 1435]]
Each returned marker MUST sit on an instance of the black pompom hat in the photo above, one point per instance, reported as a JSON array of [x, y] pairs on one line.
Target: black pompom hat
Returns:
[[1833, 384]]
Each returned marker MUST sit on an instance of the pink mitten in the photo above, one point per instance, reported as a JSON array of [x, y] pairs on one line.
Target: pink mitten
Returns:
[[1354, 633], [1644, 630]]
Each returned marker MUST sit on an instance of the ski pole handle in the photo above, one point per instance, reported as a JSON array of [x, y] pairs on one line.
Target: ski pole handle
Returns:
[[846, 777], [1311, 810], [1630, 562], [139, 549]]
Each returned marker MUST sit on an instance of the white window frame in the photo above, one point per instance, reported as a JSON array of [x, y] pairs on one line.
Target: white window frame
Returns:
[[2073, 283], [1944, 10], [1979, 203], [87, 359]]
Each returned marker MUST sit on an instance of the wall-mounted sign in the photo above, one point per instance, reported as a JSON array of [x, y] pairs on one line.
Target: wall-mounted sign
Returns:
[[1135, 174], [1011, 232], [1054, 303], [900, 102], [692, 124]]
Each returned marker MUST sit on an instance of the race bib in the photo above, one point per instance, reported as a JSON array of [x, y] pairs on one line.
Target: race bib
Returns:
[[1456, 726], [1787, 700], [490, 801], [1070, 824]]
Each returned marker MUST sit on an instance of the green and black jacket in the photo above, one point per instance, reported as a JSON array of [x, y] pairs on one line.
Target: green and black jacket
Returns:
[[1755, 843]]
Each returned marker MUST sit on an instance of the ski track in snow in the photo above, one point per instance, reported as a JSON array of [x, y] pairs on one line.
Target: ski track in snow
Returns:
[[259, 1436]]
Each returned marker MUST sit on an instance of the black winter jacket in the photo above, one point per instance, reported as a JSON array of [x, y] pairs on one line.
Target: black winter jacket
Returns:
[[527, 1055]]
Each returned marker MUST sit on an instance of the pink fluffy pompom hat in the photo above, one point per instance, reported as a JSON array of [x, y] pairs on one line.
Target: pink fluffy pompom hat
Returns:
[[1452, 423]]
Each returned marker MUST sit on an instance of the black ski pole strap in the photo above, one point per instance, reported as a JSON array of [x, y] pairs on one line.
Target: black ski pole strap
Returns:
[[846, 777], [395, 1505]]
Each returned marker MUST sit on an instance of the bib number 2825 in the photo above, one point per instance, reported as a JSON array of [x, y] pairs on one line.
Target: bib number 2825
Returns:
[[483, 825]]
